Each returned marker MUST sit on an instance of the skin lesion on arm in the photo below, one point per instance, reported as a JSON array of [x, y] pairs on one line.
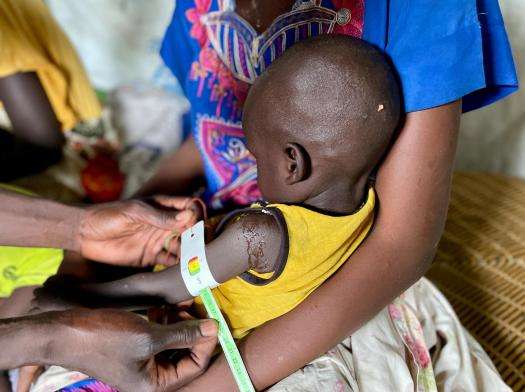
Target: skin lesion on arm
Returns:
[[413, 186], [251, 241]]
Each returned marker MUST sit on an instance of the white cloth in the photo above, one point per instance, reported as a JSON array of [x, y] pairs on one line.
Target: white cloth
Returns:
[[118, 41], [375, 358]]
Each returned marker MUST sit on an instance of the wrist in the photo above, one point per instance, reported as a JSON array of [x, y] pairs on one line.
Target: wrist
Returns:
[[78, 221]]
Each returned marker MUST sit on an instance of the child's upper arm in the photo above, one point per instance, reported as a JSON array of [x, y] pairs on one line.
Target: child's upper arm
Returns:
[[252, 240]]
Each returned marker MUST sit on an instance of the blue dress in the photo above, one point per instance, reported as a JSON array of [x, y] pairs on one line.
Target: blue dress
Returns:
[[442, 50]]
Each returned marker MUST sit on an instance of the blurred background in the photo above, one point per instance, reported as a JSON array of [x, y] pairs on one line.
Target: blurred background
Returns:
[[118, 42], [493, 138]]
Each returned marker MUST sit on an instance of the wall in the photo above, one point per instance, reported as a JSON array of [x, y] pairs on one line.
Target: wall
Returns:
[[493, 138]]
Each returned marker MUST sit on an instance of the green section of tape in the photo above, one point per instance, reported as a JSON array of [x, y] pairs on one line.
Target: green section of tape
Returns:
[[227, 343]]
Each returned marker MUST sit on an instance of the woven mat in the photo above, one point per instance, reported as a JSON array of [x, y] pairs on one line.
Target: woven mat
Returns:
[[480, 267]]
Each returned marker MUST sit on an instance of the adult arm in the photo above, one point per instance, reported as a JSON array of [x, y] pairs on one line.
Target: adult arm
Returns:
[[36, 139], [413, 186], [252, 241], [83, 340], [128, 233]]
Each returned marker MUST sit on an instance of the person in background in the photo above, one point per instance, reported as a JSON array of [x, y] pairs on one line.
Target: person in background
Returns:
[[44, 93], [44, 89]]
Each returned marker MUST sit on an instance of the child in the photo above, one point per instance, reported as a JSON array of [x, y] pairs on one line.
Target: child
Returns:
[[269, 258]]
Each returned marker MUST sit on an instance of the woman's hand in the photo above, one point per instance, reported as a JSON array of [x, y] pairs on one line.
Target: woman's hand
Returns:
[[135, 233], [116, 347]]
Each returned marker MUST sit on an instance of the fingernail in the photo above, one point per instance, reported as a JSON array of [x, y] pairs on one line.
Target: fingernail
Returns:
[[209, 328]]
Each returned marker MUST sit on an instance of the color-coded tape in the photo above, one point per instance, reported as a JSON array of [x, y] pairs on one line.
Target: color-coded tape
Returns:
[[233, 356]]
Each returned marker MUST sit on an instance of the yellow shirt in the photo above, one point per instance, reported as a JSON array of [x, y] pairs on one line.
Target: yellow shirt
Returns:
[[32, 41], [318, 245]]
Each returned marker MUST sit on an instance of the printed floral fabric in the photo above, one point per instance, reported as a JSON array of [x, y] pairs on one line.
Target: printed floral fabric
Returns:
[[225, 55]]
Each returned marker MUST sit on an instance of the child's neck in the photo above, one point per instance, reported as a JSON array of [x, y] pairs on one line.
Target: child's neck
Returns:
[[341, 198]]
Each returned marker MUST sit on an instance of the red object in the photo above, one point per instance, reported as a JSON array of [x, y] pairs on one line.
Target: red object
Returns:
[[102, 179]]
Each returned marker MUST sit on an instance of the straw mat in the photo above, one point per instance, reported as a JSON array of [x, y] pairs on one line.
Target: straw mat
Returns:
[[480, 267]]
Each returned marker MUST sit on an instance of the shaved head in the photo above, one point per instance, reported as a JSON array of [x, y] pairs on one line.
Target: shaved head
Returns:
[[334, 95], [319, 120]]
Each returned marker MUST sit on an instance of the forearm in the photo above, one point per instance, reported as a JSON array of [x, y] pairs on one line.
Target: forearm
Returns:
[[167, 284], [413, 188], [226, 257], [34, 222], [23, 341]]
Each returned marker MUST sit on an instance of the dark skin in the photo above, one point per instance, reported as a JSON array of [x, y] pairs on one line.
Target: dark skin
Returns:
[[228, 256], [413, 185], [128, 233], [261, 17], [295, 135], [415, 177], [117, 347], [179, 172], [36, 139], [300, 173]]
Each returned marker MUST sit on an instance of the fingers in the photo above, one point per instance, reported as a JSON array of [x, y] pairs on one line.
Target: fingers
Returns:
[[167, 259], [176, 202], [153, 247], [191, 209], [189, 367], [200, 354], [173, 375], [183, 334]]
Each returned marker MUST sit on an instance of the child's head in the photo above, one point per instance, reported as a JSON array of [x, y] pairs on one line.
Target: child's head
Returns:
[[322, 115]]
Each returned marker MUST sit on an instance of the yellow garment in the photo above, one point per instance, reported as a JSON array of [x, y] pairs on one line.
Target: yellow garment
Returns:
[[318, 245], [21, 267], [26, 266], [32, 41]]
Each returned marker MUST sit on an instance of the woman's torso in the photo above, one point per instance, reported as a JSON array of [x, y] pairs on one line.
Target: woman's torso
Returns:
[[230, 54]]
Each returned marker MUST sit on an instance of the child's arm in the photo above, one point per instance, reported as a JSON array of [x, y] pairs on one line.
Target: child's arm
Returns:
[[252, 241]]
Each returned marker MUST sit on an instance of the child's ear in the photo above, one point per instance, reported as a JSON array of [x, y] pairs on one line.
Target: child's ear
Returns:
[[298, 163]]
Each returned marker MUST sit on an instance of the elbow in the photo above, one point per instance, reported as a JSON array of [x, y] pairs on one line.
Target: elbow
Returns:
[[413, 249], [425, 245]]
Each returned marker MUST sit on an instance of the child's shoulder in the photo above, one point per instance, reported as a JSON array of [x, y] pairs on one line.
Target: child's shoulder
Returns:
[[261, 230]]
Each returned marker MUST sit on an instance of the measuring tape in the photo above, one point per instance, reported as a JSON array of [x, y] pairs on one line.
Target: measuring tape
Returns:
[[198, 279], [231, 352]]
